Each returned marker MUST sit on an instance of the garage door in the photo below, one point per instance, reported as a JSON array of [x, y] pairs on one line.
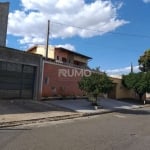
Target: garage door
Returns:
[[16, 80]]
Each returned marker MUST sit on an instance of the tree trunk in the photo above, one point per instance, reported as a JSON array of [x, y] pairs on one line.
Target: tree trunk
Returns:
[[140, 96], [95, 101]]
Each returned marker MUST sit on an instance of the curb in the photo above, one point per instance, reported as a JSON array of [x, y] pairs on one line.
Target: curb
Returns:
[[56, 118], [38, 120], [98, 113]]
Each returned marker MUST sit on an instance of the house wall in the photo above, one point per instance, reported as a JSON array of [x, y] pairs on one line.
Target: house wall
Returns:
[[80, 59], [56, 84], [61, 54], [120, 92], [69, 56], [42, 51]]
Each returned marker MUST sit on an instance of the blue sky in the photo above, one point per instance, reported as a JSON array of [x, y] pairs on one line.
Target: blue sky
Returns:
[[113, 32]]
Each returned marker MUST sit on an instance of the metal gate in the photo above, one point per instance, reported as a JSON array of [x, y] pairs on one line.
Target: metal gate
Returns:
[[16, 80]]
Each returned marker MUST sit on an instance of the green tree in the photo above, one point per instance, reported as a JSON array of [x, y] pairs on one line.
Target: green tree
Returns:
[[95, 84], [147, 79], [139, 82], [144, 61]]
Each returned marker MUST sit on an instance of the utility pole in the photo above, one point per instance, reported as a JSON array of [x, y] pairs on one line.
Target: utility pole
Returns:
[[47, 39], [131, 68]]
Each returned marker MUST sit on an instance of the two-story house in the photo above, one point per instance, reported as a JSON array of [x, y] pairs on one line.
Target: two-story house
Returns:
[[62, 70]]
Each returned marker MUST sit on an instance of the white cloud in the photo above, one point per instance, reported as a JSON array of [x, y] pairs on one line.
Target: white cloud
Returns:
[[121, 71], [146, 1], [67, 46], [30, 22]]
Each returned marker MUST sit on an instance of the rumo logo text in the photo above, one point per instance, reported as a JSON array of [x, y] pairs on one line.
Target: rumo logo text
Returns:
[[74, 72]]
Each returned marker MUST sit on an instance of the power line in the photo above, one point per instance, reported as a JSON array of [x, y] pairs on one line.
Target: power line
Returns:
[[99, 31]]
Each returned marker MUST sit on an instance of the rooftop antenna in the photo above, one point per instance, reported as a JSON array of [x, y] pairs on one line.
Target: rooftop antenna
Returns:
[[47, 39]]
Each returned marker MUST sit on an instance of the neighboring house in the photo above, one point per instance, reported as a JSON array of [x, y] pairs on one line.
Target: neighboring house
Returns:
[[62, 71], [121, 92], [148, 96]]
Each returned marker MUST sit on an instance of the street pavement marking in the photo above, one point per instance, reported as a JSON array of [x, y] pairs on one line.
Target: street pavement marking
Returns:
[[120, 116]]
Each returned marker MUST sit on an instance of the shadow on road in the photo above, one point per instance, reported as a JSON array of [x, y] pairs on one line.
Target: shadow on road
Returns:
[[134, 112]]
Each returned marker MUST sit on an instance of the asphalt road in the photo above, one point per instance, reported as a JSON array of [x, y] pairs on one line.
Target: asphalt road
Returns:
[[127, 130]]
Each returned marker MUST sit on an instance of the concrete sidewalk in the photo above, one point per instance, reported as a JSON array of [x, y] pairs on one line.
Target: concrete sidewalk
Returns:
[[18, 112], [84, 106]]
